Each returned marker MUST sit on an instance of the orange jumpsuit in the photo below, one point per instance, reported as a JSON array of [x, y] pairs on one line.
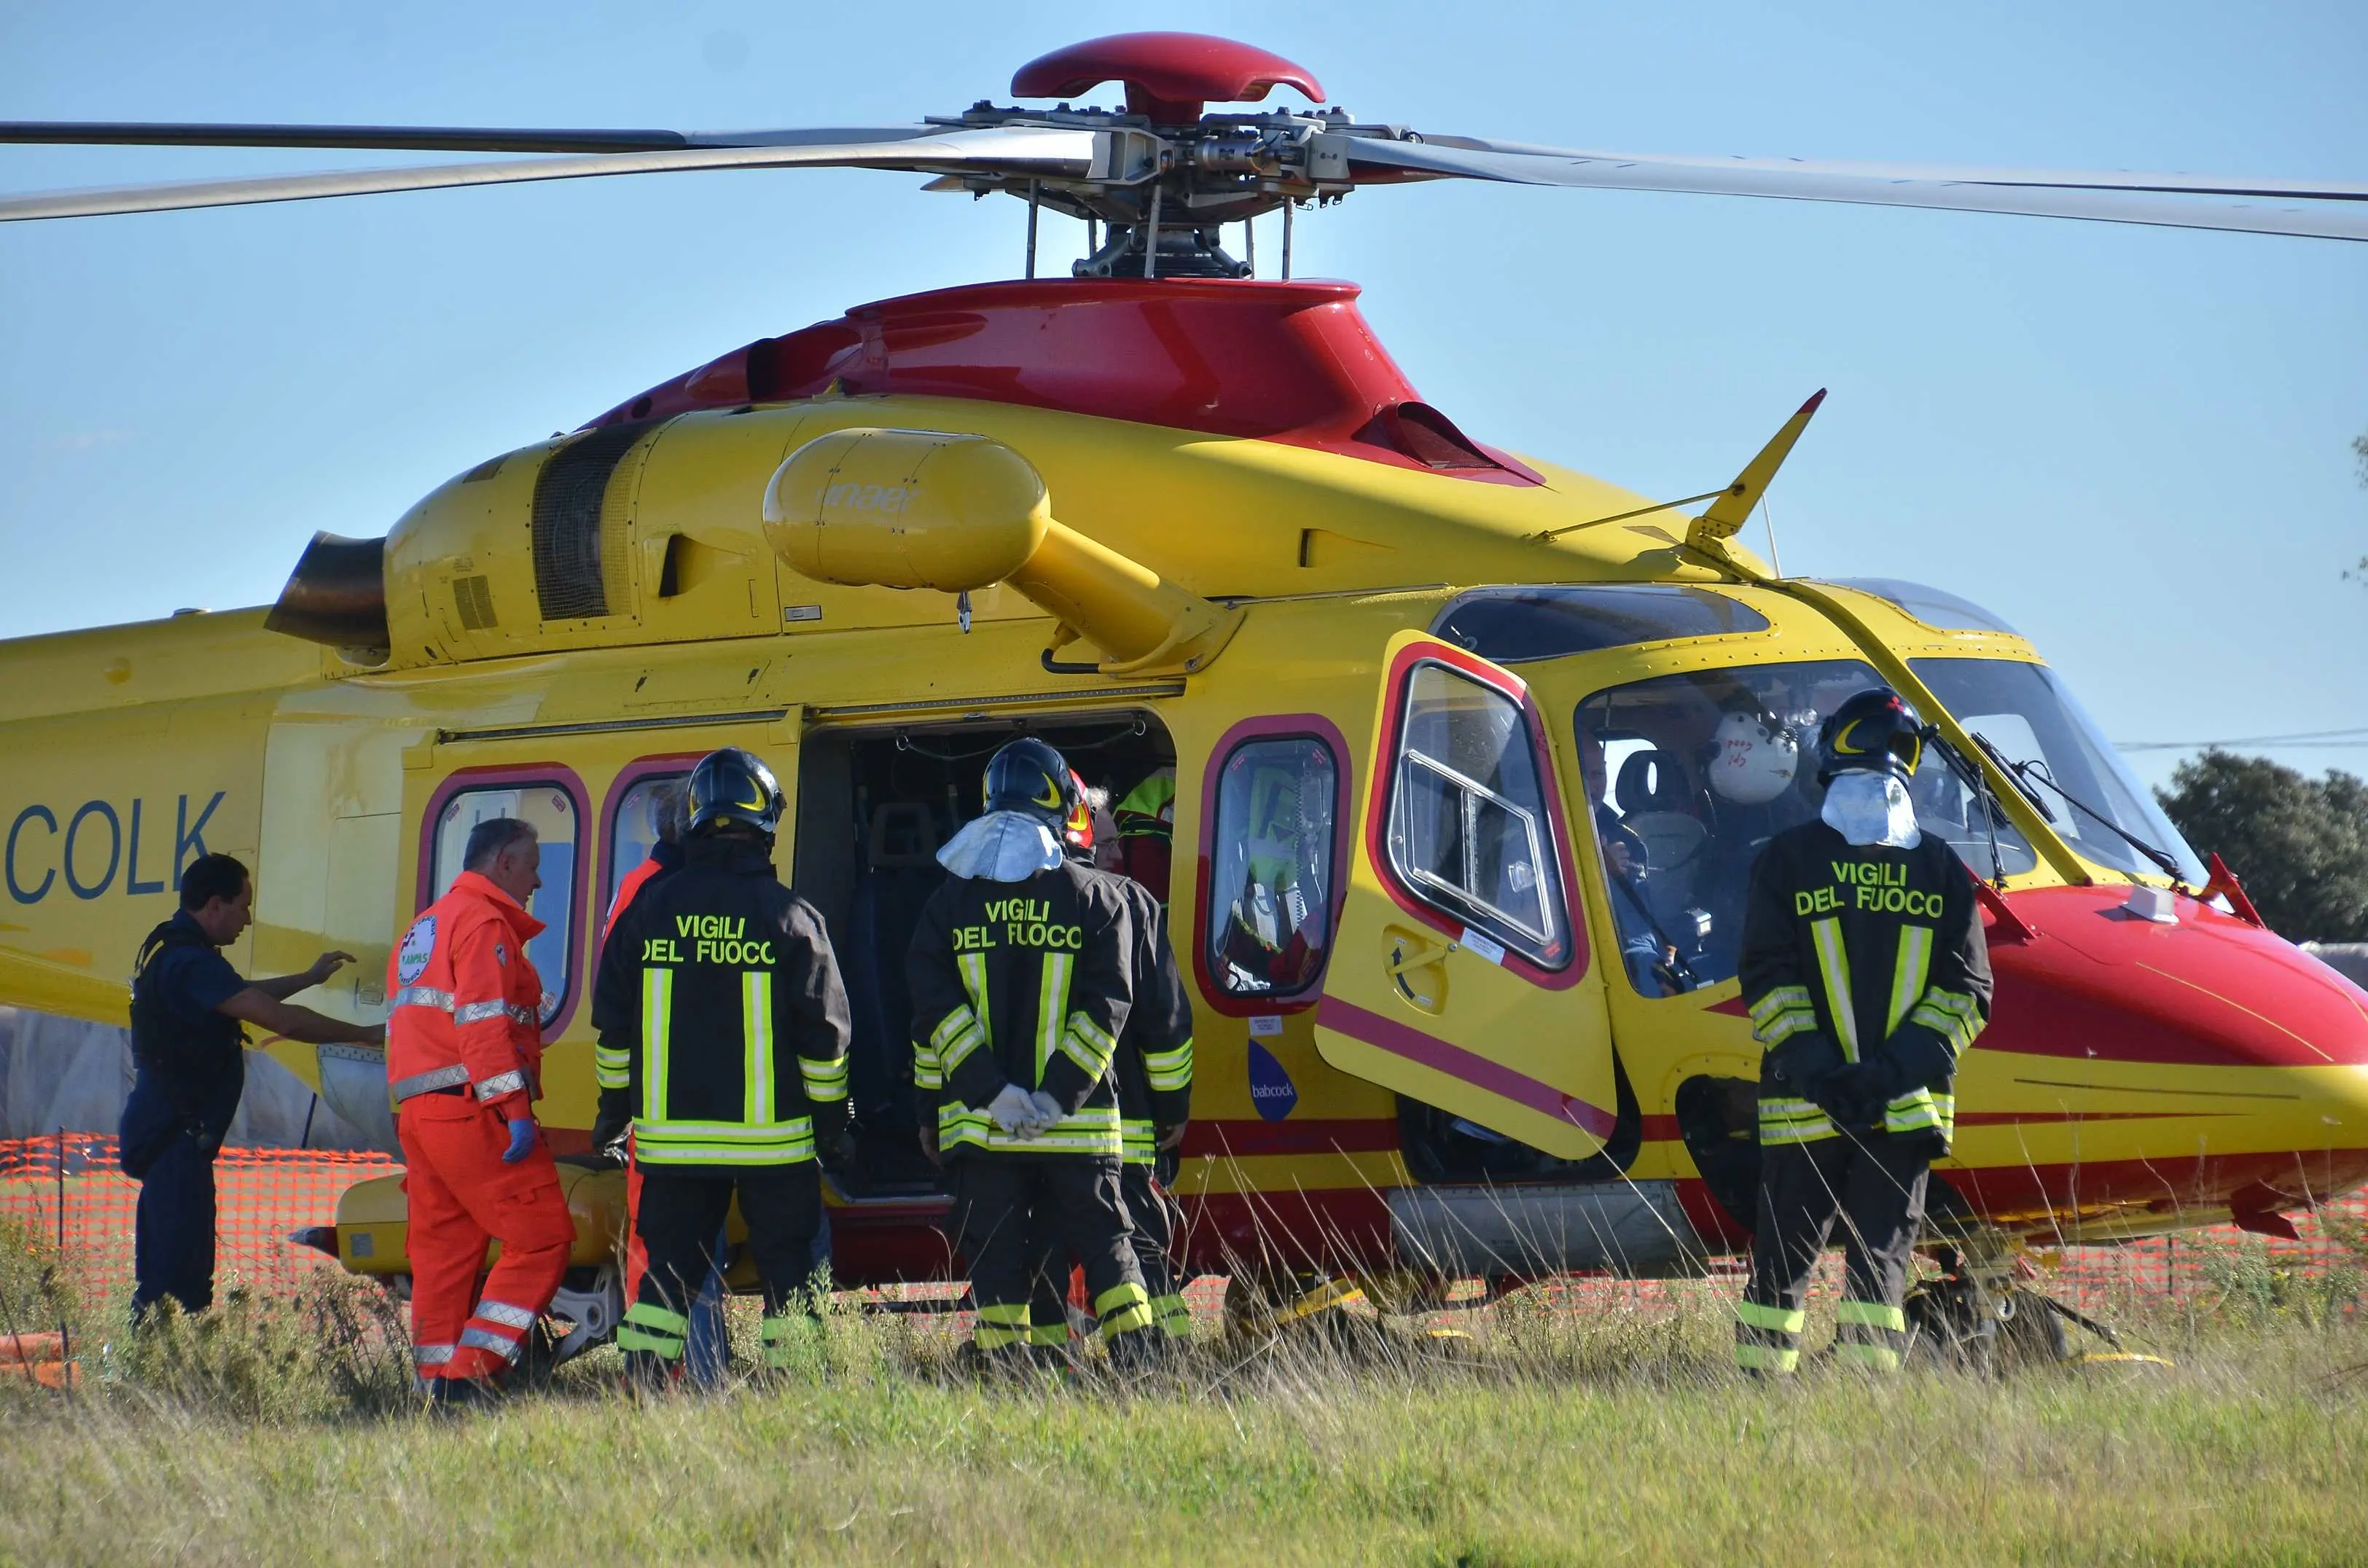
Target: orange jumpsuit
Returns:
[[637, 1251], [463, 1051]]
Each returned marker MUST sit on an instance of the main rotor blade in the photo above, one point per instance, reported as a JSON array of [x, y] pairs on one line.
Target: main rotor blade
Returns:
[[1027, 150], [2179, 201], [422, 138]]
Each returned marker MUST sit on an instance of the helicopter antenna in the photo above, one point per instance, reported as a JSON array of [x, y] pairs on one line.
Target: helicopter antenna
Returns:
[[1766, 517], [1287, 206], [1545, 534], [1724, 518]]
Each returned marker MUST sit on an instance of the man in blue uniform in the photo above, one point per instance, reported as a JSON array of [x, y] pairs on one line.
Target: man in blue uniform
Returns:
[[186, 1006]]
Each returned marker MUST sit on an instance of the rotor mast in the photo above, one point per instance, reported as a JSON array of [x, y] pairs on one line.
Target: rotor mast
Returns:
[[1169, 178]]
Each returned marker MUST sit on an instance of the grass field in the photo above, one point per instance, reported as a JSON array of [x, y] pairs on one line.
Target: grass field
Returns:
[[281, 1432]]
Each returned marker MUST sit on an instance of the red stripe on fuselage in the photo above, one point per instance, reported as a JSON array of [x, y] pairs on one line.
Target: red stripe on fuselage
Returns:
[[1221, 1139]]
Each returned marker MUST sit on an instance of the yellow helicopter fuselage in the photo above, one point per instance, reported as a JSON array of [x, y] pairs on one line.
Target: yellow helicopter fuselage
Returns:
[[1454, 1070]]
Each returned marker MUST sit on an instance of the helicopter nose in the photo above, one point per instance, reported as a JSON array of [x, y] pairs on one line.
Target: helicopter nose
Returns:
[[2202, 1067]]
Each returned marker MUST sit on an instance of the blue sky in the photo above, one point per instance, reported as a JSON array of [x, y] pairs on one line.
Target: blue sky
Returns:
[[2133, 443]]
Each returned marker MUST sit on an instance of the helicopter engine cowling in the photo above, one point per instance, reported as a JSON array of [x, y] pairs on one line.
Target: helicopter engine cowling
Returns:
[[931, 509]]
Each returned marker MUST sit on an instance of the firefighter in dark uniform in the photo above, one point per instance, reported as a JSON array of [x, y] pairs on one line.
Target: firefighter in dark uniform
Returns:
[[1154, 1101], [1867, 976], [188, 1053], [1022, 977], [715, 978]]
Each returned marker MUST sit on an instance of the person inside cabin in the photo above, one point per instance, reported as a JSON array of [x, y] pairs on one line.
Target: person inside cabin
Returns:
[[190, 1064], [1646, 952], [1274, 934]]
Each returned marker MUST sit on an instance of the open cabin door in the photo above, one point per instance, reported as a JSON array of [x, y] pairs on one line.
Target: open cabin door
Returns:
[[1460, 976]]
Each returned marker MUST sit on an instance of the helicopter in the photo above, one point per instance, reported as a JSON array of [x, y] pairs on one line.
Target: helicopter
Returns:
[[1471, 753]]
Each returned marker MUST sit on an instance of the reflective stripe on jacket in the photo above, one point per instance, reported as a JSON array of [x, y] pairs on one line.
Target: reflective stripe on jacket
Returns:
[[1028, 982], [1876, 949], [1154, 1050], [467, 1002], [720, 1009]]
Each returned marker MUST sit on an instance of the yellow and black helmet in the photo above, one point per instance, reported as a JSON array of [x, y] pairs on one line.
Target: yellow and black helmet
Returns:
[[1874, 731], [1028, 776], [733, 785]]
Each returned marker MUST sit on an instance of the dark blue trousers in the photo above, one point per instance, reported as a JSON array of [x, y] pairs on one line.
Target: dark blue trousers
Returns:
[[173, 1249]]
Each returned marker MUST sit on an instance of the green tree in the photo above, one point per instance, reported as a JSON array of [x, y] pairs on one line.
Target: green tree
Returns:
[[2300, 845]]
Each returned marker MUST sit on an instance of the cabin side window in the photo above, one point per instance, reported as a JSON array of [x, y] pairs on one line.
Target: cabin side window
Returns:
[[1469, 832], [551, 810], [1270, 867], [634, 832]]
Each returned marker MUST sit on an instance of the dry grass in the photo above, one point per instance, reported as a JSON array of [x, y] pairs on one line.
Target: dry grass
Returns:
[[283, 1434]]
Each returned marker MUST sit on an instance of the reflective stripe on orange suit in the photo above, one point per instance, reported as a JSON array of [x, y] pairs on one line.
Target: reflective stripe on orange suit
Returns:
[[474, 1004], [637, 1251], [459, 1196], [466, 995]]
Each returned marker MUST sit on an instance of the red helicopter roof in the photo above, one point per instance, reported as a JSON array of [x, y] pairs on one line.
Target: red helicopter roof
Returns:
[[1291, 362]]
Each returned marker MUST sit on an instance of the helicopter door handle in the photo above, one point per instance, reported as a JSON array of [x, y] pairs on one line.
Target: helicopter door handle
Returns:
[[1409, 954]]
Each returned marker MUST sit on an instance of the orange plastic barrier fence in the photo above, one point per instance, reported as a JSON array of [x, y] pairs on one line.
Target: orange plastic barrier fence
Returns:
[[69, 1188]]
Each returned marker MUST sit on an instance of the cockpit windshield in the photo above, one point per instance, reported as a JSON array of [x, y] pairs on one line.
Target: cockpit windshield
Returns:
[[1687, 776], [2080, 782]]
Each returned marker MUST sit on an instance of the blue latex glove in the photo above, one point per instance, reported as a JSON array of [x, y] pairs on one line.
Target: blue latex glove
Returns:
[[522, 1133]]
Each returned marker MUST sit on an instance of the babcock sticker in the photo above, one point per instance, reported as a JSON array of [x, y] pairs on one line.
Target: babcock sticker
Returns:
[[419, 944], [1271, 1089]]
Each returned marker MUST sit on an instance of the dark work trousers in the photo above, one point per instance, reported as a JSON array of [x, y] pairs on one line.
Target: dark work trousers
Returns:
[[173, 1234], [1875, 1185], [1151, 1215], [1078, 1199], [682, 1215]]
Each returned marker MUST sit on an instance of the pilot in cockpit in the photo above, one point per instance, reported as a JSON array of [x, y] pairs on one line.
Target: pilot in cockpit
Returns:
[[1650, 956]]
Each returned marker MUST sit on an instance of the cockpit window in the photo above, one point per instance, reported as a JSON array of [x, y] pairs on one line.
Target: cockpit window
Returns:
[[1512, 625], [1469, 832], [1935, 608], [1688, 776], [2072, 771]]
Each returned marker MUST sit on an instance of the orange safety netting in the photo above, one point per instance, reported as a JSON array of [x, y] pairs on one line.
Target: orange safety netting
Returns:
[[69, 1188]]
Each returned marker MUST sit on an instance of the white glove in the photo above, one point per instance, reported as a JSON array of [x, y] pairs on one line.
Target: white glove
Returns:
[[1048, 1111], [1015, 1112]]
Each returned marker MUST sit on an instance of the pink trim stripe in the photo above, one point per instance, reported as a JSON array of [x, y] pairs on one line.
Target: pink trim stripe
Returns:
[[1388, 1034]]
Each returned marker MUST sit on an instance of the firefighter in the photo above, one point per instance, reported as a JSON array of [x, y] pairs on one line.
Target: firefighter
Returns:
[[1145, 821], [463, 1057], [612, 1126], [190, 1069], [1020, 972], [714, 978], [1866, 975], [1155, 1100]]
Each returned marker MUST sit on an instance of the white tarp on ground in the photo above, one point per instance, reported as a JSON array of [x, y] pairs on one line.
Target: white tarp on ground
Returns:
[[63, 1074]]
